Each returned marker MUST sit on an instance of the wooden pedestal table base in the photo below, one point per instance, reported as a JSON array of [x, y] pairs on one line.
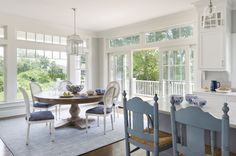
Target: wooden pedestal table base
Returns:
[[75, 120]]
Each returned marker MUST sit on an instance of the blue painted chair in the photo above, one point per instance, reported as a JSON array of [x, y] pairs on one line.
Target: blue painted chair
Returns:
[[37, 117], [196, 122], [148, 138]]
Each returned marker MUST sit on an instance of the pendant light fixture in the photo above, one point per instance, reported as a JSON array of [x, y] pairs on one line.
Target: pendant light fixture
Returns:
[[74, 42], [210, 14]]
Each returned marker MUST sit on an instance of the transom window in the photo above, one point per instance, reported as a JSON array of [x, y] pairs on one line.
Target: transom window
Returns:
[[169, 34], [124, 41]]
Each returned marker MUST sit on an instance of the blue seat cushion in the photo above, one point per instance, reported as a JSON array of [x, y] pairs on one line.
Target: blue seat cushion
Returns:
[[98, 110], [41, 115], [42, 105], [102, 103]]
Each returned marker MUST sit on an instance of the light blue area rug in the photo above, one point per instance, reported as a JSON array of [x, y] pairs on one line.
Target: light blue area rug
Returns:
[[68, 141]]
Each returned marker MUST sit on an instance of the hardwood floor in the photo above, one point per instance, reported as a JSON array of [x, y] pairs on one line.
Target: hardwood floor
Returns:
[[115, 149]]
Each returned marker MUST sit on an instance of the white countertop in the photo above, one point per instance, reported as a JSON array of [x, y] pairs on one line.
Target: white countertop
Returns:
[[213, 108], [215, 93]]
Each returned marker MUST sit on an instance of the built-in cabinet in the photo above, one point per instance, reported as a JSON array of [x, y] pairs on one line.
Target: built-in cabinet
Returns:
[[214, 37]]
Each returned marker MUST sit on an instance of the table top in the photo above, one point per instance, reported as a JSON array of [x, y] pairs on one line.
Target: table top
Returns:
[[56, 99], [215, 109]]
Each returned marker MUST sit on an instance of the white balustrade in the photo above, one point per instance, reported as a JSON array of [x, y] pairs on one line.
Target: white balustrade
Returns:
[[165, 88]]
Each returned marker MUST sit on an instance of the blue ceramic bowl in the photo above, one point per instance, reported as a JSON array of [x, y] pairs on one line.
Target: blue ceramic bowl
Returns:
[[189, 98], [100, 91], [177, 99], [74, 88]]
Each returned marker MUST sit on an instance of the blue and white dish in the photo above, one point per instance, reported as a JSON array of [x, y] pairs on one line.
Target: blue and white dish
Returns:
[[176, 99], [199, 102], [189, 98], [100, 91]]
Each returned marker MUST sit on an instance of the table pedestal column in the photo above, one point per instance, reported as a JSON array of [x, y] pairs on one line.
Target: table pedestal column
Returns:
[[75, 120]]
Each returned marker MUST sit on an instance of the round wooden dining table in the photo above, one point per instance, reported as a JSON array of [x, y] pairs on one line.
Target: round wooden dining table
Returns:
[[75, 120]]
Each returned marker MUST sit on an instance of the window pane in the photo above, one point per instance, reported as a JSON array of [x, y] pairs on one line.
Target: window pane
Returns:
[[30, 36], [165, 58], [21, 52], [1, 74], [179, 57], [63, 41], [56, 40], [186, 31], [39, 53], [124, 41], [2, 32], [48, 39], [21, 35], [30, 53], [180, 73], [56, 55], [40, 38], [165, 72], [42, 70], [63, 55], [48, 54]]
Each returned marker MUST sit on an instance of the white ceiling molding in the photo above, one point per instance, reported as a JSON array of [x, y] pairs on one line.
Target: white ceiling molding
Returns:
[[94, 15]]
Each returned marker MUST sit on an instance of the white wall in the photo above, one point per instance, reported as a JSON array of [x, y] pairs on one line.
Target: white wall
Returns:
[[233, 61]]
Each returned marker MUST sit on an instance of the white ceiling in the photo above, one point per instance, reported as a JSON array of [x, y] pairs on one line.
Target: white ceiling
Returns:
[[94, 15]]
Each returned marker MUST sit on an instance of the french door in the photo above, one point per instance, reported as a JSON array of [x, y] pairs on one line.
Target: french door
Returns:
[[119, 70]]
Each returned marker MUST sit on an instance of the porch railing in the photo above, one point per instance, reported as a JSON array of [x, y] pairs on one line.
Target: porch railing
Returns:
[[164, 88]]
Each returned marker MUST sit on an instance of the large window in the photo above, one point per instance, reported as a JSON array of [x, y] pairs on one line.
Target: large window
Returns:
[[178, 71], [81, 70], [124, 41], [41, 66], [169, 34], [1, 74]]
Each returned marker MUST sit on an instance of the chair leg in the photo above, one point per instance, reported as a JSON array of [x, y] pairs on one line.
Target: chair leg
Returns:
[[98, 121], [104, 125], [28, 131], [50, 128], [112, 122], [56, 111], [117, 111], [52, 131], [114, 113], [59, 112], [127, 148], [86, 123]]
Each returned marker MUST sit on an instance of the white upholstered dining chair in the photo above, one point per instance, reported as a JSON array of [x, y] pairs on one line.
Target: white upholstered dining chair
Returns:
[[102, 110], [115, 104], [35, 88], [37, 117]]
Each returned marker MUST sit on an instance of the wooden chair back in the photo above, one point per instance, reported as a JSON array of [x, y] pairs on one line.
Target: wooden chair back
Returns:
[[197, 122], [134, 111], [27, 102]]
